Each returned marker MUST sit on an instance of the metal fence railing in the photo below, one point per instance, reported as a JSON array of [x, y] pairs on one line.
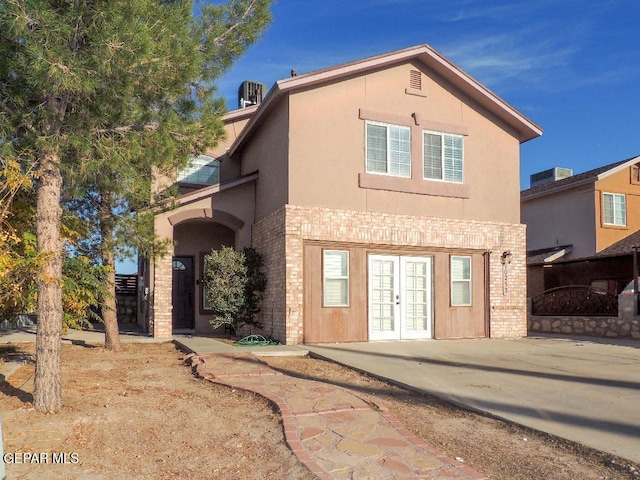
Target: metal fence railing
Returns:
[[578, 300]]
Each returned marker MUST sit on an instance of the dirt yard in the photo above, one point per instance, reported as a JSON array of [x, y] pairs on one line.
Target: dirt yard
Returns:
[[142, 414]]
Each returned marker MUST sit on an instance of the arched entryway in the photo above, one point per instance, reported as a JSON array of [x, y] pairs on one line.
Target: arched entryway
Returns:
[[193, 239]]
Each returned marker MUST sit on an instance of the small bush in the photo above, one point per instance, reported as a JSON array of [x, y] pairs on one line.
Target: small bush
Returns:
[[233, 284]]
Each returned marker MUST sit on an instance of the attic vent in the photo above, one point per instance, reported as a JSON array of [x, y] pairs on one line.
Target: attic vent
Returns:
[[635, 174], [415, 79]]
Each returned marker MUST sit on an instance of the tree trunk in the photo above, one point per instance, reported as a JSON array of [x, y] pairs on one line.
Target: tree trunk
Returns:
[[47, 391], [109, 313]]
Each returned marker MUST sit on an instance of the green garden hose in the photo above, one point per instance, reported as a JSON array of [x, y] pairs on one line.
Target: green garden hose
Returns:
[[253, 340]]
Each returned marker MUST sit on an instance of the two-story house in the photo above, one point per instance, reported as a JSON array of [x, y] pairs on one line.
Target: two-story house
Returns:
[[383, 195], [588, 216]]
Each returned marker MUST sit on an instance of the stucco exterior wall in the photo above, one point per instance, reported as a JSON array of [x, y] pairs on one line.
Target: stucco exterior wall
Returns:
[[566, 218], [268, 152], [281, 236], [618, 182], [327, 147]]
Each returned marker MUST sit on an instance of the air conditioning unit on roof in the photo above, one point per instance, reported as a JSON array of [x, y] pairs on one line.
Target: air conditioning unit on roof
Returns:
[[548, 176], [251, 93]]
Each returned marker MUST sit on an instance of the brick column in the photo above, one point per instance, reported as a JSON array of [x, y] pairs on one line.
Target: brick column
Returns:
[[162, 313]]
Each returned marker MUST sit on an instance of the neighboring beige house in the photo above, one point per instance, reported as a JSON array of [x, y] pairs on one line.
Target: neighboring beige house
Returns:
[[383, 195], [586, 212], [592, 216]]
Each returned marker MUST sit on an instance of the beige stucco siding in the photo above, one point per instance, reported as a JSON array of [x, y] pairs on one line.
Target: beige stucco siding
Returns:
[[562, 219], [267, 152], [327, 148]]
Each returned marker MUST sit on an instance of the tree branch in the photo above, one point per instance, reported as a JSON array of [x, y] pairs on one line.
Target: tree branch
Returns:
[[126, 128], [220, 40]]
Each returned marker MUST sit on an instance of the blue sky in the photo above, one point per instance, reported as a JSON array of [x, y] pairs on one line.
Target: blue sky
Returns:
[[571, 66]]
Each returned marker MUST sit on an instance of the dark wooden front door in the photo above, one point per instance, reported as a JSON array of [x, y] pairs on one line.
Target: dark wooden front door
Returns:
[[183, 292]]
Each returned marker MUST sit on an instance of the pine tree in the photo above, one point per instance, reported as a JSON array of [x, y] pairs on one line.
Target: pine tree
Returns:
[[93, 94]]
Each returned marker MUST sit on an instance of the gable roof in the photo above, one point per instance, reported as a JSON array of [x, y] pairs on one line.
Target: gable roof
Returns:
[[577, 180], [526, 129]]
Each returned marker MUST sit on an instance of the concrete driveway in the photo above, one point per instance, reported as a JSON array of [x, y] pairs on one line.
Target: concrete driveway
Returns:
[[585, 390]]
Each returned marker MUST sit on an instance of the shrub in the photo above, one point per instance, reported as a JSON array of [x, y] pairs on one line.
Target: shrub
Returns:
[[233, 284]]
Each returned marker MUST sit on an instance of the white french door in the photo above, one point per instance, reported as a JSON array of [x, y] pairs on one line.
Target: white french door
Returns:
[[400, 303]]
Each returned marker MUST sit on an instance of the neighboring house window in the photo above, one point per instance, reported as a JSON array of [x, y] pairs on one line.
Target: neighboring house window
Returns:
[[388, 149], [443, 156], [460, 281], [202, 170], [614, 209], [336, 278]]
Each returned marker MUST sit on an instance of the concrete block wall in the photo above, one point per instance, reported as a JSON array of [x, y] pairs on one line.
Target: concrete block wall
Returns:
[[280, 238]]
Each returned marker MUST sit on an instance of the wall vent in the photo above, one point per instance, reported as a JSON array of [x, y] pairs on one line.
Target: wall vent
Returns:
[[551, 175], [415, 79]]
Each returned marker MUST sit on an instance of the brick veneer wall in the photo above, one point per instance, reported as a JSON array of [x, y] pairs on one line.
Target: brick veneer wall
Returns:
[[280, 238], [269, 239], [161, 316]]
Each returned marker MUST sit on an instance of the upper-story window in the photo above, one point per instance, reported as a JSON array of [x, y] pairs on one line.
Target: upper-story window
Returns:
[[202, 170], [388, 149], [443, 156], [614, 209]]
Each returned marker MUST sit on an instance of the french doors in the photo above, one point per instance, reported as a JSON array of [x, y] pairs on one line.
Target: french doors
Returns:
[[400, 297]]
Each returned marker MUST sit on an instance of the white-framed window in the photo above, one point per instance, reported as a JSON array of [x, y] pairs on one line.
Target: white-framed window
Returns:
[[614, 209], [202, 170], [460, 281], [335, 267], [443, 156], [388, 149]]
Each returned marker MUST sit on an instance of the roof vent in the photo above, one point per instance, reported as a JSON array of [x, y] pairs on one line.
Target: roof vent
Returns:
[[251, 93], [551, 175]]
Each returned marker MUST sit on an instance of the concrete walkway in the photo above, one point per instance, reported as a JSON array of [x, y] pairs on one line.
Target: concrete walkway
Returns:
[[586, 390]]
